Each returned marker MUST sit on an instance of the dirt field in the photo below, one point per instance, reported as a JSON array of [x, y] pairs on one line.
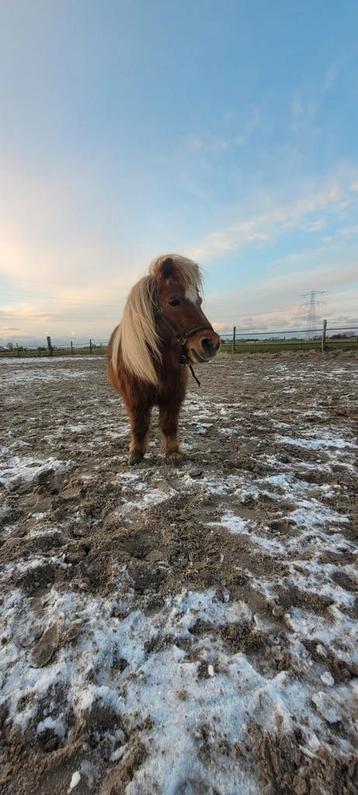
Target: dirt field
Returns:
[[178, 631]]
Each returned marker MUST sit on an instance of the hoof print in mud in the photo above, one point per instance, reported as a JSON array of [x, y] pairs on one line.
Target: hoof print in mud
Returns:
[[46, 647]]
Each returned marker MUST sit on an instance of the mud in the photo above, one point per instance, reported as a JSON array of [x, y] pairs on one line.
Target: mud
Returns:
[[186, 629]]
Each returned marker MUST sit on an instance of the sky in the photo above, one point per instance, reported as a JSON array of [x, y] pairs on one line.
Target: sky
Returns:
[[226, 132]]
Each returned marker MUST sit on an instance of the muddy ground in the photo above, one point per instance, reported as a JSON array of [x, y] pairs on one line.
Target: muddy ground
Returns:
[[180, 630]]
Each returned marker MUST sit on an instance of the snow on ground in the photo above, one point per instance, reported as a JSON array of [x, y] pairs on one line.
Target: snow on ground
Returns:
[[196, 613], [164, 686], [16, 471]]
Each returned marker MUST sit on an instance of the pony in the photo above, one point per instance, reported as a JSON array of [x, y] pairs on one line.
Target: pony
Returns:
[[163, 332]]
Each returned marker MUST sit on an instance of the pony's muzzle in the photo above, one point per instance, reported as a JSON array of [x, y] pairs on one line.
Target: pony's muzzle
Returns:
[[206, 347], [210, 346]]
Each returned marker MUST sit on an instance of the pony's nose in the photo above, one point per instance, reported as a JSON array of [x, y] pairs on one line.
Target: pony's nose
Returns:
[[210, 346]]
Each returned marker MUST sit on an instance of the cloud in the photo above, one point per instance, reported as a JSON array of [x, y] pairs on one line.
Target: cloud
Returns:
[[330, 78], [297, 106], [316, 225], [219, 326], [301, 213], [277, 302], [239, 135], [273, 303], [292, 282], [249, 127], [293, 318], [302, 108], [63, 272]]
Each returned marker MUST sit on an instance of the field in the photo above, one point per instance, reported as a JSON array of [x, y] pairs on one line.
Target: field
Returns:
[[241, 346], [188, 630], [274, 346]]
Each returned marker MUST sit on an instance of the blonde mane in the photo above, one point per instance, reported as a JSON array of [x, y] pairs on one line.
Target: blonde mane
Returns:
[[136, 338]]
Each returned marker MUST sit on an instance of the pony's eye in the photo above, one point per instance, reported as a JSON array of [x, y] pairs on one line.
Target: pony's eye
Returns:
[[174, 302]]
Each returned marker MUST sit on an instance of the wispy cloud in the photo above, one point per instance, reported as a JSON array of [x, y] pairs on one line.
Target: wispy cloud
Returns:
[[330, 78], [278, 302], [80, 286], [297, 107], [306, 103], [240, 134], [301, 213]]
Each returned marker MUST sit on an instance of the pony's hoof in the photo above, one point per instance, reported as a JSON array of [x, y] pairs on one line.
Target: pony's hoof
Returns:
[[135, 457], [174, 459]]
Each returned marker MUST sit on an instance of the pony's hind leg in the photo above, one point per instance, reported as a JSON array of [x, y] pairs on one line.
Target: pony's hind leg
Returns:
[[140, 421], [168, 421]]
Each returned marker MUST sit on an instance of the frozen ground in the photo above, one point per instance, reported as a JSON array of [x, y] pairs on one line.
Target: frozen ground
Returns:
[[176, 631]]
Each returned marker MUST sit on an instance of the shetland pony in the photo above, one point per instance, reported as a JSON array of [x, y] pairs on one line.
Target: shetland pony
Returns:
[[162, 332]]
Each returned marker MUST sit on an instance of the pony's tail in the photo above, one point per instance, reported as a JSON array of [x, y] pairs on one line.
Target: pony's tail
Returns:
[[135, 340]]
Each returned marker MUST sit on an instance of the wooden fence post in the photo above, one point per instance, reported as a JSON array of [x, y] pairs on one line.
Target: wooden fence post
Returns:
[[233, 340], [71, 348], [91, 347], [49, 346], [323, 340]]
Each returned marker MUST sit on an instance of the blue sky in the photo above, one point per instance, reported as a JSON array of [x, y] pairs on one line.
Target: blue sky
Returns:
[[227, 132]]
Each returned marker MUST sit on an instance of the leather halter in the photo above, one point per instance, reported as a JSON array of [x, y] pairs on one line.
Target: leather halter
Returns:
[[181, 338]]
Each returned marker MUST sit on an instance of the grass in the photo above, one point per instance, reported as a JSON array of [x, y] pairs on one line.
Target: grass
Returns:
[[259, 346], [23, 354], [270, 346]]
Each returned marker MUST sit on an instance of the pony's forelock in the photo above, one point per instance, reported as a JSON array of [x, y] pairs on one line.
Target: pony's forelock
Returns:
[[186, 271], [136, 338]]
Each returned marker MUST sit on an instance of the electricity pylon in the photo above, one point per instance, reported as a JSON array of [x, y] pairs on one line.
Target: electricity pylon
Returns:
[[311, 320]]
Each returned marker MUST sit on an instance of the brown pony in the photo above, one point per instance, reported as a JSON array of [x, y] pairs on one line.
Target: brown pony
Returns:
[[163, 329]]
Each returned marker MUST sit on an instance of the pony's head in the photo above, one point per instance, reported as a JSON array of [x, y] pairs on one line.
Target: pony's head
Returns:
[[177, 284], [165, 303]]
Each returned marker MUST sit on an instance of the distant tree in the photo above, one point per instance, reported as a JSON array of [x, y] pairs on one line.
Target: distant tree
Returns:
[[346, 335]]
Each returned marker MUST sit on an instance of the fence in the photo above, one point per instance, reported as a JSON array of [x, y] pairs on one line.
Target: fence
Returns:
[[234, 342], [50, 349], [324, 338]]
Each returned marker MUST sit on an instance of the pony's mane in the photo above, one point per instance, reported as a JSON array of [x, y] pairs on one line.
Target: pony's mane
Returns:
[[136, 338]]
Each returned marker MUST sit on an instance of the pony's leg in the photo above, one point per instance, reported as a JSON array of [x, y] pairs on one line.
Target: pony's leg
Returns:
[[140, 421], [168, 421]]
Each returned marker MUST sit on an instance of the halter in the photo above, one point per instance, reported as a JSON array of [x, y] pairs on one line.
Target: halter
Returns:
[[181, 338]]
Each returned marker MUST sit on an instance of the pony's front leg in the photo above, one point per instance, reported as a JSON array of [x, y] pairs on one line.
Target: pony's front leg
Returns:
[[140, 420], [168, 421]]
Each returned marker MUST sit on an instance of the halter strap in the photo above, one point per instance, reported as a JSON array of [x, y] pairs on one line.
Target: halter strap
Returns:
[[181, 338], [191, 332]]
